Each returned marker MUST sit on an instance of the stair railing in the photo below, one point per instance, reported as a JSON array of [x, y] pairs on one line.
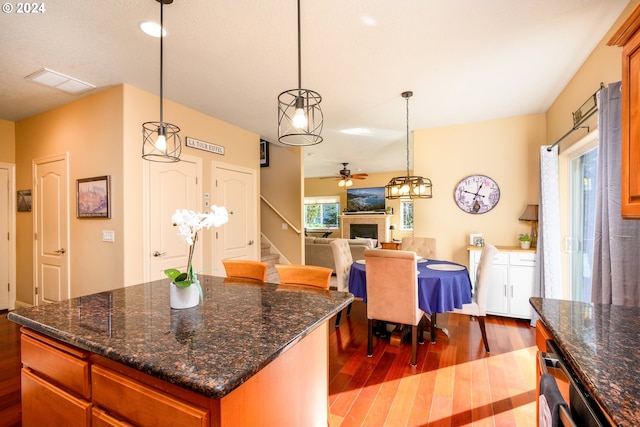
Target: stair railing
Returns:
[[277, 212]]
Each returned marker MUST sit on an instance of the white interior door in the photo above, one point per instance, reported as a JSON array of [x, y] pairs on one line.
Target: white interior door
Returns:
[[171, 186], [235, 189], [5, 207], [51, 224]]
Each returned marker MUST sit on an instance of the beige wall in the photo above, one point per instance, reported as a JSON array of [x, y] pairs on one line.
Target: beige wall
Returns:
[[7, 142], [282, 186], [505, 150], [102, 135]]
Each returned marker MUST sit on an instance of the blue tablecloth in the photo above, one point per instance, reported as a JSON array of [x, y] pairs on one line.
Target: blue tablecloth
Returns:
[[438, 291]]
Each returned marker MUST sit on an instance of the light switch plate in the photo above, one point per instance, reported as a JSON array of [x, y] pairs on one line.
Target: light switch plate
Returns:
[[108, 236]]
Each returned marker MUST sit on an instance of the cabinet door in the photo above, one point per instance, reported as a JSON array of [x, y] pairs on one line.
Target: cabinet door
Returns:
[[44, 404], [497, 298], [521, 289]]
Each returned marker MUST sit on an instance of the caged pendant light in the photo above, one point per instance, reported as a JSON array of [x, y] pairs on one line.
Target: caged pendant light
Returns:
[[299, 114], [160, 140], [408, 187]]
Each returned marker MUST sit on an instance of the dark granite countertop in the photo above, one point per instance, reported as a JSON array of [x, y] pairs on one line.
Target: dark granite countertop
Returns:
[[602, 344], [210, 349]]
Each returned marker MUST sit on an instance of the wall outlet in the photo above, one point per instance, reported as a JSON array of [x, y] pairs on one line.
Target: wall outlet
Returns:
[[108, 236]]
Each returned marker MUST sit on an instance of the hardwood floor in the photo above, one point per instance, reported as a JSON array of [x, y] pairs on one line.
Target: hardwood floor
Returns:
[[454, 384], [10, 409]]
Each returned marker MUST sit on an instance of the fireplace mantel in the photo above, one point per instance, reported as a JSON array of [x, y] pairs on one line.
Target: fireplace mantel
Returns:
[[381, 220]]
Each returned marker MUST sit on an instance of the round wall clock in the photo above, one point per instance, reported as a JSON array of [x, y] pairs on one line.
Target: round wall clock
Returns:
[[477, 194]]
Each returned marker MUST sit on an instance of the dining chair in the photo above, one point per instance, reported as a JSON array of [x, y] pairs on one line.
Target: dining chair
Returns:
[[392, 293], [304, 275], [342, 259], [425, 247], [246, 269], [478, 307]]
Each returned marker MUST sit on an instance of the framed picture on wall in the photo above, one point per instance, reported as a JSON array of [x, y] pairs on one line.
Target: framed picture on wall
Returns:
[[24, 200], [93, 197], [264, 153]]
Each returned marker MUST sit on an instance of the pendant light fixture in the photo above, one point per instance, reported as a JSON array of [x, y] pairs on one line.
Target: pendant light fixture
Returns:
[[408, 187], [160, 140], [299, 114]]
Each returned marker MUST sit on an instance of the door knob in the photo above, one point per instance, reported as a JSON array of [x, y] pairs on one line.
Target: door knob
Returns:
[[59, 251], [157, 254], [250, 242]]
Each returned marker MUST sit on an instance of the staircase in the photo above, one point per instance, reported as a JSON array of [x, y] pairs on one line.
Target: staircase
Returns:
[[270, 258]]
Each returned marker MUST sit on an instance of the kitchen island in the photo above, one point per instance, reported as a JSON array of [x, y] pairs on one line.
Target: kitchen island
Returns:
[[250, 354], [601, 342]]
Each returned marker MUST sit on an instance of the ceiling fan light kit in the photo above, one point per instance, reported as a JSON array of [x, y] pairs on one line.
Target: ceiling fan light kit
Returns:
[[161, 140], [409, 186], [300, 117]]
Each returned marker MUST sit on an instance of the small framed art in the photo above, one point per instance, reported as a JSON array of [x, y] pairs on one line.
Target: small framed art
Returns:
[[264, 153], [93, 197], [24, 200]]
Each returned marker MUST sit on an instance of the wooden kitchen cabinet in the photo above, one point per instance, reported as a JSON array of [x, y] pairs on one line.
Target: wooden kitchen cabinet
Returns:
[[628, 37], [511, 280]]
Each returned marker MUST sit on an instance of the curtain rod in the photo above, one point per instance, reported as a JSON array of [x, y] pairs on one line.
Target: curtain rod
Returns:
[[582, 120]]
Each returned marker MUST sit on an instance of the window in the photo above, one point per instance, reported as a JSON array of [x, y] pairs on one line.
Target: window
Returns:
[[322, 212], [406, 215], [583, 173]]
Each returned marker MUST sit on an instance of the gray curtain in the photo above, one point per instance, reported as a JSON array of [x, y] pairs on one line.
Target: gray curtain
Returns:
[[616, 266]]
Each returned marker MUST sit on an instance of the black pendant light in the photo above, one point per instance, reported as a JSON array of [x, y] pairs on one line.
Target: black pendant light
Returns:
[[160, 140], [408, 187], [299, 114]]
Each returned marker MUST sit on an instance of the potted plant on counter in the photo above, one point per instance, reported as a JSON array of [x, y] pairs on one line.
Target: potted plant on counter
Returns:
[[525, 241]]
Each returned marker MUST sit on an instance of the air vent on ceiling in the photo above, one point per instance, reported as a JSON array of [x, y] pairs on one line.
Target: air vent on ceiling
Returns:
[[59, 81]]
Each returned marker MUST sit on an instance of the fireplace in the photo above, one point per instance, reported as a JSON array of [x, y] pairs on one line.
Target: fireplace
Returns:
[[370, 231], [380, 222]]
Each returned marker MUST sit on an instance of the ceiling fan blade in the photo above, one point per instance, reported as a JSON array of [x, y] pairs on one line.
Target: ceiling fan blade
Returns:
[[359, 176]]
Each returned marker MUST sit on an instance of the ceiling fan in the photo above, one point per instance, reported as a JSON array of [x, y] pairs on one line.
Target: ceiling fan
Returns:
[[346, 178]]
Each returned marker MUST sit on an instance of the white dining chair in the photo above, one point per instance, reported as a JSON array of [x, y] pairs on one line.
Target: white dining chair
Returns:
[[425, 247], [342, 259], [478, 307]]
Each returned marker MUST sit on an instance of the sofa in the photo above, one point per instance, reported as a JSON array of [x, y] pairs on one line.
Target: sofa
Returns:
[[317, 250]]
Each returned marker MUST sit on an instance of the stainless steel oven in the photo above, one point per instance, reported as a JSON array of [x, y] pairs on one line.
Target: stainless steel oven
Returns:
[[584, 410]]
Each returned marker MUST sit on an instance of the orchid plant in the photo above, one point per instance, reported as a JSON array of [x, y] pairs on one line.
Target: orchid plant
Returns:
[[189, 223]]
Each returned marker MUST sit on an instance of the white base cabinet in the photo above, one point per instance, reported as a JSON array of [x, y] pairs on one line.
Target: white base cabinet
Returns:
[[511, 283]]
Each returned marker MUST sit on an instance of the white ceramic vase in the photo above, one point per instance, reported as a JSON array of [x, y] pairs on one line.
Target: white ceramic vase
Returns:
[[525, 245], [183, 297]]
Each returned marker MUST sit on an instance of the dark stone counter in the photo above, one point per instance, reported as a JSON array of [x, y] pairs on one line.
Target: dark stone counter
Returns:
[[210, 349], [602, 344]]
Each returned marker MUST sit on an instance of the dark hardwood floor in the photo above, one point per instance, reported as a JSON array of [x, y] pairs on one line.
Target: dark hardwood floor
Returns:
[[10, 410], [454, 384]]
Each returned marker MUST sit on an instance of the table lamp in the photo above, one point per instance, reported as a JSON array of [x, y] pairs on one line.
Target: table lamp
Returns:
[[392, 227], [531, 214]]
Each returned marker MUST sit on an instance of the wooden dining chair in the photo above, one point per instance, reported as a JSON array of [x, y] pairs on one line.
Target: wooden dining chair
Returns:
[[304, 275], [342, 259], [392, 293], [246, 269], [478, 307]]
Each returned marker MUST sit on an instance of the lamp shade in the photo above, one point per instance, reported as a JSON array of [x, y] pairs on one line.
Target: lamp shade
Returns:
[[530, 213]]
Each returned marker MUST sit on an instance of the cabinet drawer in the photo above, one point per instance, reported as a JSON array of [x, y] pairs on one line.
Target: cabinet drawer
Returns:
[[140, 404], [542, 335], [69, 372], [499, 258], [44, 404], [522, 258], [100, 418]]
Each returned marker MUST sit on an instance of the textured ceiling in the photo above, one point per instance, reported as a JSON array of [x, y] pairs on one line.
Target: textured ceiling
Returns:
[[465, 61]]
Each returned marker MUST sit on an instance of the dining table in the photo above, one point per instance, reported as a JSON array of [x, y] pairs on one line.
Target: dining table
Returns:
[[442, 286]]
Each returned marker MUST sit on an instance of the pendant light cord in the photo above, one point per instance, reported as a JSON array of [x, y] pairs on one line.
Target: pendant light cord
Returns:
[[299, 51], [161, 62], [407, 98]]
